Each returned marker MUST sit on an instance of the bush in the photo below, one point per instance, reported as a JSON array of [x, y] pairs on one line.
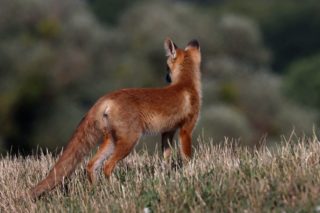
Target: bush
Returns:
[[302, 81], [48, 50], [221, 121]]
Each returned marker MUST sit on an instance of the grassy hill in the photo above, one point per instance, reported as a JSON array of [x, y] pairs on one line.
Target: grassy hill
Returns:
[[220, 178]]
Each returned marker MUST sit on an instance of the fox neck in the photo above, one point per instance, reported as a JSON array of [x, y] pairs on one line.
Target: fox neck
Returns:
[[188, 75]]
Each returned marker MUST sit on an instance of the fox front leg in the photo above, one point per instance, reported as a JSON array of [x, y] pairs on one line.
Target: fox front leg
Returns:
[[166, 143]]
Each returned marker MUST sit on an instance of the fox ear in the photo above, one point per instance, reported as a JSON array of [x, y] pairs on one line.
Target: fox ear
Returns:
[[170, 48], [193, 44]]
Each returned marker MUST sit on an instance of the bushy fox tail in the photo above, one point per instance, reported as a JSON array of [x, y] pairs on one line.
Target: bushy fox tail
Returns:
[[85, 137]]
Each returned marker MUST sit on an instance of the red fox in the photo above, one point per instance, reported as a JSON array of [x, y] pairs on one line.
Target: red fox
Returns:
[[120, 118]]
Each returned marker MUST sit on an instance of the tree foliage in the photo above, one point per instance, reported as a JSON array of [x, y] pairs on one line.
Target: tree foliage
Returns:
[[57, 57]]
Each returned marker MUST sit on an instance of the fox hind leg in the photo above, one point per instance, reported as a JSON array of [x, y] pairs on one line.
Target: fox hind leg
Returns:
[[121, 150], [105, 150]]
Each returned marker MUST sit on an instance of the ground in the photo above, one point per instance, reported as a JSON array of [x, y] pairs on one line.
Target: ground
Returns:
[[219, 178]]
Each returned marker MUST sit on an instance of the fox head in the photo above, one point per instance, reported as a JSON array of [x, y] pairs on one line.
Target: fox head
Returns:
[[182, 63]]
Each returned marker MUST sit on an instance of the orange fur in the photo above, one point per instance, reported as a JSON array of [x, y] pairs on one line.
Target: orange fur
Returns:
[[123, 116]]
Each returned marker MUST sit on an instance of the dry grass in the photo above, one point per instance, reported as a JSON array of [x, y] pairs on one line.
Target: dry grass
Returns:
[[225, 178]]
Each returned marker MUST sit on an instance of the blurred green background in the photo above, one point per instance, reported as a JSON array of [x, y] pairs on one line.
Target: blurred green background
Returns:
[[260, 69]]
